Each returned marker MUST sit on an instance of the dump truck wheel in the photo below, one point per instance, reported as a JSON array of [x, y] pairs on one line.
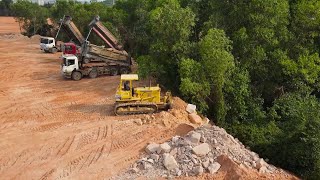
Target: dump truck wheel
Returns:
[[93, 74], [76, 75], [124, 70], [46, 51], [54, 50], [113, 71]]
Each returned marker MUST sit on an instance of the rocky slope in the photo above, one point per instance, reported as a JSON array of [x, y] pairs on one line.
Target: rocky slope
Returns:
[[206, 152]]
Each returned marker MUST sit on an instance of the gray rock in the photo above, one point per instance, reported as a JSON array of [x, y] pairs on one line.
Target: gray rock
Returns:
[[198, 170], [175, 139], [165, 147], [254, 164], [203, 139], [206, 163], [214, 167], [194, 137], [215, 141], [201, 150], [191, 108], [194, 160], [169, 162], [188, 148], [164, 176], [263, 170], [260, 163], [155, 157], [152, 148], [146, 165], [134, 170], [184, 167], [150, 161], [179, 173], [173, 151]]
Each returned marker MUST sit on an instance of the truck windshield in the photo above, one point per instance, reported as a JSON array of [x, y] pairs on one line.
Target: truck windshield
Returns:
[[44, 40], [70, 62], [68, 48]]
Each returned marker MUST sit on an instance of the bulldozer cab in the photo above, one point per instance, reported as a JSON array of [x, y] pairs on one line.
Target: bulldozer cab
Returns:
[[126, 89]]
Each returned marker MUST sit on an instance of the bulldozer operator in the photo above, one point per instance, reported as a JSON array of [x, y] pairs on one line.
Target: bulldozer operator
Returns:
[[126, 86]]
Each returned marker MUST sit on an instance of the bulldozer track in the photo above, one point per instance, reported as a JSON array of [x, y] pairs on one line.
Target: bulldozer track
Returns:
[[152, 108]]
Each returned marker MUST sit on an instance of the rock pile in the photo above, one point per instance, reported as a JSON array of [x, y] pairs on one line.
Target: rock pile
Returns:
[[195, 154], [13, 36]]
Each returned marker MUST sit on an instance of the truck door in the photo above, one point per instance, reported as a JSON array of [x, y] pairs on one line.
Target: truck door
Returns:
[[51, 44]]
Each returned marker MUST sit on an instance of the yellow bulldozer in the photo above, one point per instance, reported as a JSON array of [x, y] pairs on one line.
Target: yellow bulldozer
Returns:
[[139, 100]]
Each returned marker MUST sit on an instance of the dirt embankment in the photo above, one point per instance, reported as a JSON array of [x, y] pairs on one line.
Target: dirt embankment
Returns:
[[9, 25], [54, 128]]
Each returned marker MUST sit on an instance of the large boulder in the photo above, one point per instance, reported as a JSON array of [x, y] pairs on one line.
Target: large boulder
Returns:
[[191, 108], [165, 147], [202, 149], [214, 167], [194, 118], [194, 137], [169, 162], [152, 148]]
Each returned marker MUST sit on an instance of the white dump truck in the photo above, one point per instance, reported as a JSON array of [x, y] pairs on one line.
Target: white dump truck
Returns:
[[72, 68], [49, 44]]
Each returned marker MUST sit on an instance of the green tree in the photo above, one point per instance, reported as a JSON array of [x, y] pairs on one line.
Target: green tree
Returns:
[[304, 26], [216, 57], [298, 144], [170, 28], [31, 16], [194, 85], [5, 7]]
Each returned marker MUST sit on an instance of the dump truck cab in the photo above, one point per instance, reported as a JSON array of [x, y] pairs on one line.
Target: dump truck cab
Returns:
[[69, 64], [48, 44], [70, 48]]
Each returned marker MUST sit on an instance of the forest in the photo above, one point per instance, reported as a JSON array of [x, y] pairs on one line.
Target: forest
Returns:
[[251, 66]]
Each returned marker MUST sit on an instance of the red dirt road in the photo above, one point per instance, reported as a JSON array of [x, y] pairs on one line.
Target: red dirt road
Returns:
[[54, 128]]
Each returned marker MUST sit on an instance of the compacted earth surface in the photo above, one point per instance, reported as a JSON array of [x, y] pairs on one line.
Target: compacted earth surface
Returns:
[[56, 128]]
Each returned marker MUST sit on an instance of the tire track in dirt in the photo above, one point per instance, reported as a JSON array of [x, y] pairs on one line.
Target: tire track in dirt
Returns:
[[48, 127], [65, 147], [87, 151]]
